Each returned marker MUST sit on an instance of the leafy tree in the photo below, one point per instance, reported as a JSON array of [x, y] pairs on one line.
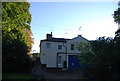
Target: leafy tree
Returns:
[[116, 16], [35, 55], [100, 56], [16, 34], [86, 55]]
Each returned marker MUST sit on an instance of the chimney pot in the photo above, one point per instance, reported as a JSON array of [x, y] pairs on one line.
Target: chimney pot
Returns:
[[49, 36]]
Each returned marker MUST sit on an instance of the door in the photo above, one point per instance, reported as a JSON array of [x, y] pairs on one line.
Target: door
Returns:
[[73, 62]]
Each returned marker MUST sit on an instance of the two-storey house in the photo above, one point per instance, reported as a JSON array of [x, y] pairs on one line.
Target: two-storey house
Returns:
[[55, 52]]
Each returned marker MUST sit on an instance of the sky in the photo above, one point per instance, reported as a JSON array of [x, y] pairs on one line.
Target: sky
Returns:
[[64, 20]]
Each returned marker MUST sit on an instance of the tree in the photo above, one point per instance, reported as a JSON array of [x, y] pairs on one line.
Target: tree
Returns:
[[103, 55], [99, 56], [116, 16], [16, 34]]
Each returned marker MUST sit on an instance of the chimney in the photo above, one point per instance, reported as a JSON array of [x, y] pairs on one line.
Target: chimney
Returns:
[[79, 35], [49, 36]]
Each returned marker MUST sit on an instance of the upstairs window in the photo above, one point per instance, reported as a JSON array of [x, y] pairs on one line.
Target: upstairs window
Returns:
[[59, 46], [72, 46], [48, 45]]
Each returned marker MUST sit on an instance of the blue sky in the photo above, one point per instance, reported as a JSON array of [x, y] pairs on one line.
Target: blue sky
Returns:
[[95, 19]]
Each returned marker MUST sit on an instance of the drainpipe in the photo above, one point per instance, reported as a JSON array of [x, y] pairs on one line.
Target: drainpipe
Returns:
[[65, 61], [66, 56]]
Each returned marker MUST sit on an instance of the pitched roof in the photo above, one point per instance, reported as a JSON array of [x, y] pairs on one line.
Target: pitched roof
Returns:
[[56, 40]]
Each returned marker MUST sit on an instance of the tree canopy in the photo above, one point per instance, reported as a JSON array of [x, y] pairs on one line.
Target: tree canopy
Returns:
[[100, 55], [17, 37], [116, 16]]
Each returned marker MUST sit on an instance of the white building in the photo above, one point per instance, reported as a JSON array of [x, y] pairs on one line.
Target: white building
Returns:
[[55, 51]]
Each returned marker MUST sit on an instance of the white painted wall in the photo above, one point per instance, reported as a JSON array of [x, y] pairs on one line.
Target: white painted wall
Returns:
[[76, 42], [49, 56]]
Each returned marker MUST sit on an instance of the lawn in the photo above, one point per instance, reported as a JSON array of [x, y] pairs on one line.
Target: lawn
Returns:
[[17, 76]]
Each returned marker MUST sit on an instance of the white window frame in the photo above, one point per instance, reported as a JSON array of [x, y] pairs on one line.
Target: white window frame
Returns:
[[59, 59]]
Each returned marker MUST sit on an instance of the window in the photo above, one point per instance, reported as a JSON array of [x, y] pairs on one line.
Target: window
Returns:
[[72, 46], [48, 45], [59, 59], [59, 46]]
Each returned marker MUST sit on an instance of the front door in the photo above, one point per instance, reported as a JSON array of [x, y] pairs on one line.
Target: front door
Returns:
[[73, 62]]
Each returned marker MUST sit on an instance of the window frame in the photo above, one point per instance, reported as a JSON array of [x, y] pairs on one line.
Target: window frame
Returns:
[[72, 46], [59, 60], [59, 47], [48, 45]]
